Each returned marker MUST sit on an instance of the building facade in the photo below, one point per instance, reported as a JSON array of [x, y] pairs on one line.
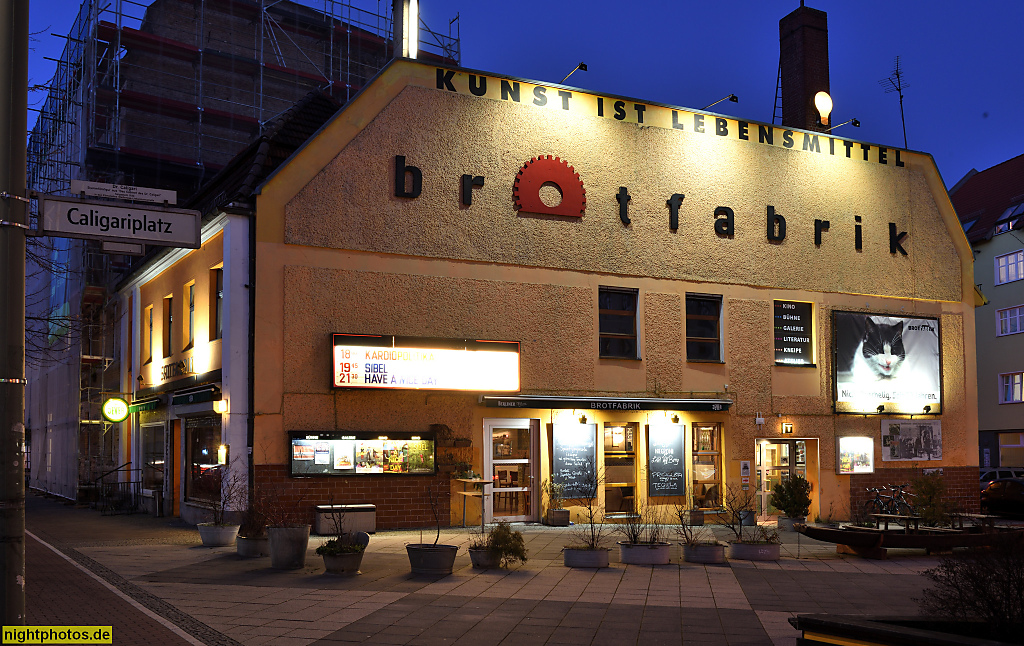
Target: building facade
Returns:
[[990, 205]]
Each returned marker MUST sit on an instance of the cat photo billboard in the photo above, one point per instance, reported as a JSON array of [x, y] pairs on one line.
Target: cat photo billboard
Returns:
[[886, 361]]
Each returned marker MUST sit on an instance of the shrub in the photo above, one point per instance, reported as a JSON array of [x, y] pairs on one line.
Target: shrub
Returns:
[[503, 543], [793, 496], [930, 495]]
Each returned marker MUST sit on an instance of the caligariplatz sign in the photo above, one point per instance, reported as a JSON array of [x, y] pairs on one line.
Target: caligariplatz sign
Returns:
[[70, 217]]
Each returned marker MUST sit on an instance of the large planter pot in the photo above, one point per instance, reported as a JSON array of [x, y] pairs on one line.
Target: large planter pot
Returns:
[[704, 553], [217, 535], [754, 551], [585, 558], [645, 553], [786, 522], [249, 548], [288, 546], [344, 564], [425, 558], [558, 517], [482, 558], [693, 517], [748, 518]]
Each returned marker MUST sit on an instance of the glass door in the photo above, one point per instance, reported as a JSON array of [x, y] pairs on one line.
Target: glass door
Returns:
[[777, 459], [510, 460]]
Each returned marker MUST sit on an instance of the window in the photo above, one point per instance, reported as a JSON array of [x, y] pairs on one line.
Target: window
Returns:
[[967, 225], [1010, 386], [707, 466], [190, 321], [1010, 320], [206, 458], [153, 457], [216, 303], [1009, 267], [1009, 220], [703, 328], [617, 321], [168, 325], [147, 334]]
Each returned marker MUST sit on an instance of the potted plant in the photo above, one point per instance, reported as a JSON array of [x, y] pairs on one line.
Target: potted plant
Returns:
[[252, 538], [792, 496], [556, 516], [643, 532], [443, 434], [343, 554], [427, 558], [501, 547], [586, 549], [232, 485], [757, 544], [288, 535], [699, 543]]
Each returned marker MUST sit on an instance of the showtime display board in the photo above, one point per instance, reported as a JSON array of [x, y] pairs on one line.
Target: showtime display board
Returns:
[[886, 364], [370, 361], [348, 454]]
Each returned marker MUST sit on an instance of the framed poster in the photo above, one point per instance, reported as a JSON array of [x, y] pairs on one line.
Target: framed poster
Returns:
[[665, 460], [353, 454], [886, 364], [855, 455], [911, 439]]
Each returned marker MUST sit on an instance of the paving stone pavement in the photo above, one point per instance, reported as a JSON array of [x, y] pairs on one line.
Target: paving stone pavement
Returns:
[[153, 581]]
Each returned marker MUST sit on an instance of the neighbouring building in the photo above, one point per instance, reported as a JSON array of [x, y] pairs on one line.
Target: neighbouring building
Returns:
[[990, 205], [467, 272], [161, 94]]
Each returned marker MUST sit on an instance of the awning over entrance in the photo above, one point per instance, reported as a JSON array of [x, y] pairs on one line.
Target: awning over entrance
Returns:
[[604, 403], [150, 403]]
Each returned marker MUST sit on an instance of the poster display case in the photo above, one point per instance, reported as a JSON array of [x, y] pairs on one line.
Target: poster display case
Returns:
[[355, 454], [855, 455]]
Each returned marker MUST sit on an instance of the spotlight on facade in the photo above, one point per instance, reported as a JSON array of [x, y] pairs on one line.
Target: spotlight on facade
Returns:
[[731, 97], [583, 419], [787, 427], [927, 409], [823, 102], [881, 408], [853, 122], [220, 406], [675, 419], [581, 67]]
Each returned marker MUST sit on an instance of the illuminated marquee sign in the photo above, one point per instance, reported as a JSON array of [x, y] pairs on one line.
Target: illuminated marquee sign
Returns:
[[368, 361], [886, 364]]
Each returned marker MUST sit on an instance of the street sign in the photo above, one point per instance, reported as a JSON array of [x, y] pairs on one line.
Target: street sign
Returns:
[[124, 192], [70, 217], [115, 409]]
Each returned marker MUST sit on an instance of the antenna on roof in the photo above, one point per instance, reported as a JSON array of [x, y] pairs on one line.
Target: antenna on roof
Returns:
[[896, 83]]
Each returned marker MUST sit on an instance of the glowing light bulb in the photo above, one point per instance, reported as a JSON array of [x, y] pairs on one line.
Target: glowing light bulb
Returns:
[[823, 102]]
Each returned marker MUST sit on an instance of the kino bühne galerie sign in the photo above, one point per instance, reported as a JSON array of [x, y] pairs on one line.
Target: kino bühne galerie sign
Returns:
[[371, 361]]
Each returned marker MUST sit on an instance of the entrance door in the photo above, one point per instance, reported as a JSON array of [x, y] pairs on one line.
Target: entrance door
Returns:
[[512, 462], [777, 459]]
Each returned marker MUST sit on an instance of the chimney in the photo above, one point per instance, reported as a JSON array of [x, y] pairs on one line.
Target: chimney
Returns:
[[803, 57]]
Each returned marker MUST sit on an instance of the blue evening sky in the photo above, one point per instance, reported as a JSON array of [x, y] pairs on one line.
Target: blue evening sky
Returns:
[[962, 60]]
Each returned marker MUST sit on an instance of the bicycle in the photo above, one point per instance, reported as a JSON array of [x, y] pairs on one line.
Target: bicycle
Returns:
[[900, 505], [880, 504]]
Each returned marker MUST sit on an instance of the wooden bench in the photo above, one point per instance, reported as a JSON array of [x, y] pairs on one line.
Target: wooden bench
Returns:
[[904, 520], [987, 521]]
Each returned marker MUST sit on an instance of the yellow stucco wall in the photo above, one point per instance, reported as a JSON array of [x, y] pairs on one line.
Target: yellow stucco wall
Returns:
[[337, 252]]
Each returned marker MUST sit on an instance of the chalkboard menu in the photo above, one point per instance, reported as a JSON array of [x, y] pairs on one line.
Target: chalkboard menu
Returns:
[[794, 344], [665, 475], [574, 459]]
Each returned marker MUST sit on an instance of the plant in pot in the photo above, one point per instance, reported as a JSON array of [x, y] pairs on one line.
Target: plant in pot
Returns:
[[233, 487], [343, 553], [644, 533], [443, 434], [586, 549], [557, 517], [252, 538], [793, 496], [433, 558], [288, 533], [699, 542], [500, 547], [750, 542]]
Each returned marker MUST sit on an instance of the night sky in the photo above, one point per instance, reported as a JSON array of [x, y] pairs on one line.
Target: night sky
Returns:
[[962, 60]]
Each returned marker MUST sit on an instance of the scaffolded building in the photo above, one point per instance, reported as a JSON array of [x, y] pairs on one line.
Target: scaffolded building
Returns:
[[160, 95]]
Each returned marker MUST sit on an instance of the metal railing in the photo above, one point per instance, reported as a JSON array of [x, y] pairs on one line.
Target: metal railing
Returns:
[[120, 490]]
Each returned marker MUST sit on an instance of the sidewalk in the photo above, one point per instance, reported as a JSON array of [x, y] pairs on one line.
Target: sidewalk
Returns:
[[210, 596]]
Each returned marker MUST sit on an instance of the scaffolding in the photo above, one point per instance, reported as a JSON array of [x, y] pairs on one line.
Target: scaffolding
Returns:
[[164, 94]]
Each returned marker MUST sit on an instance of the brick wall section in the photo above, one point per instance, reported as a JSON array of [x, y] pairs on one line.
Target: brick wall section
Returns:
[[961, 485], [402, 501]]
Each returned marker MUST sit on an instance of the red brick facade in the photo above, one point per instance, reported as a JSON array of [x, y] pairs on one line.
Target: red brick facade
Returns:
[[961, 485], [402, 501]]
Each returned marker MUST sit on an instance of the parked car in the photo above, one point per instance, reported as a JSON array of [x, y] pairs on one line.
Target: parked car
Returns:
[[1003, 496], [995, 473]]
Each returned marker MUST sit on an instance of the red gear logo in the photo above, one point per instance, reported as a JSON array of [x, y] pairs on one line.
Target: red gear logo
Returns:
[[537, 172]]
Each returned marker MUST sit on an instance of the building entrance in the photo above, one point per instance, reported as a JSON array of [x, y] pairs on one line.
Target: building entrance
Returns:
[[512, 462], [777, 459]]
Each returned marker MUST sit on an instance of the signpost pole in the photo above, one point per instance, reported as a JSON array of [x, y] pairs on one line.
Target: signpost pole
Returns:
[[13, 119]]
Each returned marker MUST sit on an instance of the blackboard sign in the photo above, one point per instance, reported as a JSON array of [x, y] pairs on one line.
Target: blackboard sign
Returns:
[[665, 472], [794, 345], [574, 459]]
